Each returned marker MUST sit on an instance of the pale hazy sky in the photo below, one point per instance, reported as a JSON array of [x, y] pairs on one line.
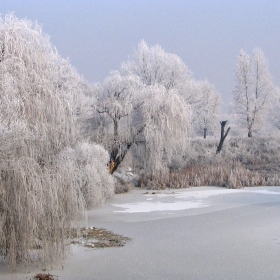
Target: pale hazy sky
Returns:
[[98, 35]]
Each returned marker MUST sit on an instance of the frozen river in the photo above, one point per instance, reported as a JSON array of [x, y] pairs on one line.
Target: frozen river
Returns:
[[196, 233]]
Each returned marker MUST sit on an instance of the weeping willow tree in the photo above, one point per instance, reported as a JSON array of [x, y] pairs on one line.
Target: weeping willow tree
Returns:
[[41, 190], [139, 110]]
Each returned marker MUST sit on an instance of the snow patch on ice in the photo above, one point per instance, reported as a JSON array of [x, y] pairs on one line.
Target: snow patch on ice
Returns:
[[181, 200], [144, 207]]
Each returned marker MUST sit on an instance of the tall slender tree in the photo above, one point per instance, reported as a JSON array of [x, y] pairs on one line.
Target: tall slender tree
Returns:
[[207, 108], [253, 90]]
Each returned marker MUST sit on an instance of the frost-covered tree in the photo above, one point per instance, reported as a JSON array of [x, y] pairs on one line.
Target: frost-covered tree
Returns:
[[142, 108], [253, 90], [207, 109], [42, 188], [118, 100], [274, 110], [153, 66]]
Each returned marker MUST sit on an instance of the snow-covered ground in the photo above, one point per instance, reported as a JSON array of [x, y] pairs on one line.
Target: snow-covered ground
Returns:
[[181, 200], [196, 233]]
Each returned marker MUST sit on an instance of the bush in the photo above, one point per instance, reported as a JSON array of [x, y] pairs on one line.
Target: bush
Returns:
[[86, 165], [122, 186]]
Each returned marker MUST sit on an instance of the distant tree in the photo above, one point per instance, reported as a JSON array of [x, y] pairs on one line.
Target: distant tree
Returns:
[[206, 110], [253, 90], [274, 110]]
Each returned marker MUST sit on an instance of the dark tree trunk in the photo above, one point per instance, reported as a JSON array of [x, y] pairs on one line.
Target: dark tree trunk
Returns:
[[120, 150], [250, 122], [223, 136], [204, 132], [116, 147], [117, 155], [2, 52]]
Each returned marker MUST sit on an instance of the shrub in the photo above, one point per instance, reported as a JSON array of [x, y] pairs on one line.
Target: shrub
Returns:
[[86, 165]]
